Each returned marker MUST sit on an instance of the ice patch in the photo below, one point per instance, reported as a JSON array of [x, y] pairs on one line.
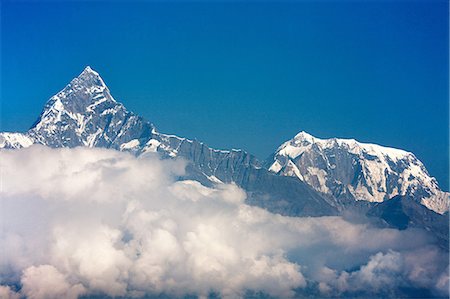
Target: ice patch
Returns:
[[129, 145]]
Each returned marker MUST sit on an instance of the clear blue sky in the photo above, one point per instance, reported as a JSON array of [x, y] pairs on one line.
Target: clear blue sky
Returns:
[[244, 75]]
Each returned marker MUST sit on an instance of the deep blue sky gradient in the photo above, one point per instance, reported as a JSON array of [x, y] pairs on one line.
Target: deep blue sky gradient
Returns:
[[244, 75]]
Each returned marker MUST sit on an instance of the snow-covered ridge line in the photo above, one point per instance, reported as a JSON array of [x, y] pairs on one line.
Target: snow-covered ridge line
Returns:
[[224, 151], [84, 113], [350, 170], [294, 147], [14, 140]]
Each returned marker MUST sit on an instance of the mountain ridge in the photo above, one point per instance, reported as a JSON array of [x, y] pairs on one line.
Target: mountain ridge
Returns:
[[352, 170], [84, 113]]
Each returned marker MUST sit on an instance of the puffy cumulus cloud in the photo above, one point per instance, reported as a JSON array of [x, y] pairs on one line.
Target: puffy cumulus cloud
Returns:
[[7, 293], [46, 282], [79, 222], [420, 269], [382, 272]]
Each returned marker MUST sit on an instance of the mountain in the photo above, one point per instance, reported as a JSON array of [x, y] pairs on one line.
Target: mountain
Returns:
[[351, 171], [306, 176], [402, 212], [84, 113]]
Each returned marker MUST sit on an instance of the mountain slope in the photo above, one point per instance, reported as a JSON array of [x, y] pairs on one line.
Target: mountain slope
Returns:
[[305, 176], [350, 170], [402, 212], [15, 140], [84, 113]]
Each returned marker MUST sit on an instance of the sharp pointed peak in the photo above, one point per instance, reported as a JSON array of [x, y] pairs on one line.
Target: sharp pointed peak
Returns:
[[304, 136], [90, 77], [89, 71], [85, 88]]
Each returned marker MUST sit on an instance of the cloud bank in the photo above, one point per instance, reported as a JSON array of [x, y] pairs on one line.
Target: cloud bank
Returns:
[[82, 222]]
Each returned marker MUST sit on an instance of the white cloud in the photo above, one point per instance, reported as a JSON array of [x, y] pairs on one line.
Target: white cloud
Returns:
[[46, 282], [7, 293], [84, 221]]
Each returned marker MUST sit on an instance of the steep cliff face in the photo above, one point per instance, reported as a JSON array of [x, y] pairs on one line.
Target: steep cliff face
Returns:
[[85, 114]]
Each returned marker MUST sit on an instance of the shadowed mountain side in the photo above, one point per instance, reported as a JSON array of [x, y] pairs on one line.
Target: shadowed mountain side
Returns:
[[401, 212], [284, 195], [278, 194]]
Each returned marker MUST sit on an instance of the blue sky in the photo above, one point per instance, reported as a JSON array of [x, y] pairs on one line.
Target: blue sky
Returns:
[[244, 75]]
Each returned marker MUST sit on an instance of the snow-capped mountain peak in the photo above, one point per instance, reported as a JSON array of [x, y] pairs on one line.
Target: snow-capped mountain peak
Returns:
[[304, 139], [84, 113], [90, 77], [89, 70], [351, 170], [82, 94]]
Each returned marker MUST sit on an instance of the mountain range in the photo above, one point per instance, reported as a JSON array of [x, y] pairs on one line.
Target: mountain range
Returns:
[[305, 176]]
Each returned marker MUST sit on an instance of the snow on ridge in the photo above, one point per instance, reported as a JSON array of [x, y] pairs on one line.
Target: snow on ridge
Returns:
[[303, 140], [89, 73], [130, 144], [73, 107], [366, 171], [88, 69], [191, 141], [438, 203], [306, 136], [14, 140]]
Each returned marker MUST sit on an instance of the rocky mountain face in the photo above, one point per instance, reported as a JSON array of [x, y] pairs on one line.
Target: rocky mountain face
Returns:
[[305, 176], [353, 171], [403, 212], [84, 113]]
